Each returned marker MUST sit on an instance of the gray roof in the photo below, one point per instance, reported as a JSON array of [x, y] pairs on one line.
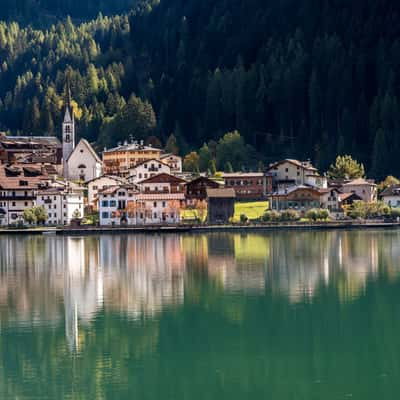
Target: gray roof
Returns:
[[393, 190], [221, 193]]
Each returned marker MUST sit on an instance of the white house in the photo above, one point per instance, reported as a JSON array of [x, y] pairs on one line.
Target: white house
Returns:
[[18, 186], [365, 189], [163, 183], [290, 172], [101, 183], [83, 164], [62, 204], [148, 169], [173, 161], [124, 205], [391, 196]]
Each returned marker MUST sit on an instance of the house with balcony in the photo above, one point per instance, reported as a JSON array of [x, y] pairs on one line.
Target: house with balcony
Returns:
[[162, 183], [300, 198], [124, 205], [19, 184], [196, 189], [148, 169], [289, 172], [173, 161], [62, 202], [249, 185]]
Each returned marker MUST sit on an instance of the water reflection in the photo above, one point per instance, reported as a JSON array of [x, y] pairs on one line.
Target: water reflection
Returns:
[[45, 280], [227, 316]]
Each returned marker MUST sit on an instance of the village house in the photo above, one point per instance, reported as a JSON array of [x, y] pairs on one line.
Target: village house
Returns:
[[334, 200], [62, 204], [119, 160], [30, 150], [83, 164], [365, 189], [196, 189], [162, 183], [221, 205], [148, 169], [391, 196], [124, 205], [173, 161], [291, 172], [18, 186], [300, 198], [101, 183], [249, 185]]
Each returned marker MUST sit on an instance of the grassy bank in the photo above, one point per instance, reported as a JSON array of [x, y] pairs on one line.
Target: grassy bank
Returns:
[[253, 210]]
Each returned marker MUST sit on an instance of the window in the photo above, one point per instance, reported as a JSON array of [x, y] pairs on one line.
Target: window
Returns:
[[286, 169], [82, 166], [26, 204], [55, 198], [155, 204], [104, 214], [164, 204], [13, 203], [104, 203], [155, 215], [113, 203], [95, 187]]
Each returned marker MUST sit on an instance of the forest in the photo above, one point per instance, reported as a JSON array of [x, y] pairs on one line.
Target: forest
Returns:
[[296, 78]]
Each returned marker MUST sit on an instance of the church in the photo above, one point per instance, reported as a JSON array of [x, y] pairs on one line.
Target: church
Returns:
[[80, 162]]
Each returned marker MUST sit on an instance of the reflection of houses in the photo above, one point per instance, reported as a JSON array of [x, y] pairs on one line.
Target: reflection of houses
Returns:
[[45, 280], [298, 271]]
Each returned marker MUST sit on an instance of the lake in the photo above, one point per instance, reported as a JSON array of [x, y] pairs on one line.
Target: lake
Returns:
[[276, 315]]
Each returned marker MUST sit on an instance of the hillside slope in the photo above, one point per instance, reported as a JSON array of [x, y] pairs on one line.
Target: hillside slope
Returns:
[[304, 78]]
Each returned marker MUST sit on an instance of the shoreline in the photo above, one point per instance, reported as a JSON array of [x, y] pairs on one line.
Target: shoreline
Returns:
[[199, 228]]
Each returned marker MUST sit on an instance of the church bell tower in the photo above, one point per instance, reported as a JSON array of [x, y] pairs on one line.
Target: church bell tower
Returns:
[[68, 131]]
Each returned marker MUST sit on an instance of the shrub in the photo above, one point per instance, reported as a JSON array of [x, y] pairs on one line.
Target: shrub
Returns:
[[312, 214], [243, 218], [290, 215], [323, 214], [395, 213], [271, 216]]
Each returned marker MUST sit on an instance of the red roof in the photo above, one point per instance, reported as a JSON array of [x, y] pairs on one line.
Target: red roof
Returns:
[[162, 178]]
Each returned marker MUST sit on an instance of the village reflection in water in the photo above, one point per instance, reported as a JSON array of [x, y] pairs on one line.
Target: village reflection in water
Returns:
[[51, 280]]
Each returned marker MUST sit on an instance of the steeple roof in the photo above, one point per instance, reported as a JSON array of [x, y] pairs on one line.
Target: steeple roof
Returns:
[[69, 112]]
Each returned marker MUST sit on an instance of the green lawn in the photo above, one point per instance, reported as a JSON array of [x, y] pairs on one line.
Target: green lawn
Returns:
[[252, 210]]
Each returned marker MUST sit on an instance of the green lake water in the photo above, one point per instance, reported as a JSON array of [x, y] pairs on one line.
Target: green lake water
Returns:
[[283, 315]]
